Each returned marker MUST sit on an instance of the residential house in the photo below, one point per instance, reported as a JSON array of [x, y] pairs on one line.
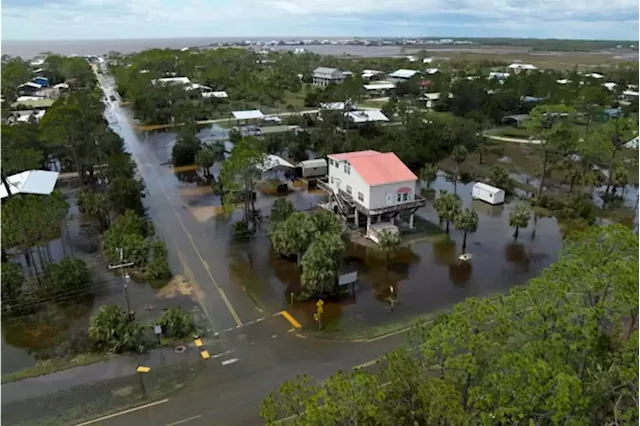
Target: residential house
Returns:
[[515, 120], [323, 76], [630, 95], [431, 99], [370, 74], [379, 89], [42, 81], [518, 67], [29, 88], [610, 85], [371, 187], [171, 80], [366, 116], [402, 75]]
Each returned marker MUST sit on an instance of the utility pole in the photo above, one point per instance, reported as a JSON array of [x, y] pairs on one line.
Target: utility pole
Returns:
[[125, 277]]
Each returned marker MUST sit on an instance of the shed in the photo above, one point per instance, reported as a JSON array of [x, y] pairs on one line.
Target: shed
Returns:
[[377, 228], [487, 193], [252, 114], [272, 162], [372, 115], [314, 168]]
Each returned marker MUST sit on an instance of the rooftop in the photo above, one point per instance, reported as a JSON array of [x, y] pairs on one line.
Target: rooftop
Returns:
[[486, 187], [34, 103], [251, 114], [403, 73], [172, 80], [367, 115], [325, 70], [377, 168], [30, 182]]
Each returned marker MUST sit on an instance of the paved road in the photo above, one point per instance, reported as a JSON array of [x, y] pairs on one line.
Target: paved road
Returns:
[[259, 349]]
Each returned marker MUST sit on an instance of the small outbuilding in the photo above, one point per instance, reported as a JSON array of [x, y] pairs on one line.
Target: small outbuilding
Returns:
[[378, 228], [313, 168], [487, 193]]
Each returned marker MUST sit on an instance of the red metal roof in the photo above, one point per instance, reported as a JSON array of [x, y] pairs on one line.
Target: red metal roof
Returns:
[[377, 168]]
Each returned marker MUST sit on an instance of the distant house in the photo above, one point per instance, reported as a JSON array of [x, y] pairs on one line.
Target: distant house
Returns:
[[594, 75], [366, 116], [32, 102], [324, 76], [630, 95], [518, 67], [610, 85], [372, 185], [431, 71], [402, 75], [607, 114], [27, 115], [379, 88], [515, 120], [498, 75], [29, 88], [563, 81], [42, 81], [171, 81], [370, 74], [430, 99]]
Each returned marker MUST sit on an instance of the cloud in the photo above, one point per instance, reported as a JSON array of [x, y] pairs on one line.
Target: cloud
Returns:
[[80, 19]]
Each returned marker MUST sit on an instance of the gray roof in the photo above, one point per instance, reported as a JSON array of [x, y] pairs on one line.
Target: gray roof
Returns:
[[325, 70]]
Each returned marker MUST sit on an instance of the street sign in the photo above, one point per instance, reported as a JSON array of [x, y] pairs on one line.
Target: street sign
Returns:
[[346, 279], [157, 329]]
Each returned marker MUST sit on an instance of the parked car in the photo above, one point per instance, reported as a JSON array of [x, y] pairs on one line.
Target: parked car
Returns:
[[113, 98]]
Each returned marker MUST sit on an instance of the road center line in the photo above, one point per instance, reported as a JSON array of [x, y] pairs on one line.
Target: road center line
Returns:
[[121, 413], [179, 422], [229, 361], [223, 296]]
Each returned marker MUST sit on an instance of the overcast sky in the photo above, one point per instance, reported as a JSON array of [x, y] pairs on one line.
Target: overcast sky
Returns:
[[105, 19]]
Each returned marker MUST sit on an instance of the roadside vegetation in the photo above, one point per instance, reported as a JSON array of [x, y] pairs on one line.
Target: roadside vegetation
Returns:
[[561, 350]]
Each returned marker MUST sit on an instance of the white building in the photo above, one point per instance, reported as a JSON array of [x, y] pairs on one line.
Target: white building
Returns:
[[369, 74], [172, 80], [324, 76], [372, 185], [518, 67], [402, 75]]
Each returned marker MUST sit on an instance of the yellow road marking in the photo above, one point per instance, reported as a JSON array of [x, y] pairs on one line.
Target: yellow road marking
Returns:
[[205, 354], [223, 296], [198, 342], [130, 410], [291, 319]]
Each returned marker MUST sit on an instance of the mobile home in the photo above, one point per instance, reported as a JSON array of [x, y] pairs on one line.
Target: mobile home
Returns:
[[487, 193]]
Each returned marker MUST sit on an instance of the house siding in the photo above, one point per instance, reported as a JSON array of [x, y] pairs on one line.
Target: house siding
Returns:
[[378, 196], [338, 179], [373, 197]]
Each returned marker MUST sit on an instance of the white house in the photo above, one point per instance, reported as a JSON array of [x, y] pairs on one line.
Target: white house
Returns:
[[324, 76], [172, 80], [518, 67], [378, 186], [402, 75]]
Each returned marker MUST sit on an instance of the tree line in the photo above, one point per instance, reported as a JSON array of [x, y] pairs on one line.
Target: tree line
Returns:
[[74, 137], [562, 349]]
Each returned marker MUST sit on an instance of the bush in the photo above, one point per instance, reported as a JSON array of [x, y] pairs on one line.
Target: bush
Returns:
[[158, 267], [177, 323], [69, 277], [12, 280], [114, 331], [241, 230]]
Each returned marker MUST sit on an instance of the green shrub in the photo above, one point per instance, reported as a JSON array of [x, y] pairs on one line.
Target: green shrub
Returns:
[[177, 323]]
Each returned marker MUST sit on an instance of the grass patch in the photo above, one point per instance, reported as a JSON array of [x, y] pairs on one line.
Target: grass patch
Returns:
[[49, 366]]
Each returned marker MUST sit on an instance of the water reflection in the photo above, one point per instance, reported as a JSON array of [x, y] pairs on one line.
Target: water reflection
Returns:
[[460, 273], [444, 252], [517, 254]]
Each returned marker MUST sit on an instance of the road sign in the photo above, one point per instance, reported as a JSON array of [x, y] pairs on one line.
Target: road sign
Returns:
[[157, 329], [346, 279], [143, 369]]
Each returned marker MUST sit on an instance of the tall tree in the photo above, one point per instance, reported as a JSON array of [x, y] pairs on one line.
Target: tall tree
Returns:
[[466, 221], [459, 154], [447, 205], [320, 265], [519, 218], [429, 173]]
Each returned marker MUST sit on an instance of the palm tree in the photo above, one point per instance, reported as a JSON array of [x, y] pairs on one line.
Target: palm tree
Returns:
[[519, 218], [466, 221], [429, 173], [388, 243], [459, 154], [447, 205]]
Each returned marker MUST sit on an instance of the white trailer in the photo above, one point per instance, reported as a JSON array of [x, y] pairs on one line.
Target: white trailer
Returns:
[[487, 193], [313, 168]]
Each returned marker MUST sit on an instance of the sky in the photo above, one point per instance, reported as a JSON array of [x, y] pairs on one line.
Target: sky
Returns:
[[111, 19]]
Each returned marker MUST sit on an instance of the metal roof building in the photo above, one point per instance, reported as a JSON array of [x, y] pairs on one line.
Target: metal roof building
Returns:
[[30, 182], [252, 114]]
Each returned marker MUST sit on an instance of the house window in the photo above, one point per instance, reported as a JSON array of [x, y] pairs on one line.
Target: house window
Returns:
[[348, 189], [335, 163], [398, 198], [360, 196], [347, 168], [331, 181], [405, 196]]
